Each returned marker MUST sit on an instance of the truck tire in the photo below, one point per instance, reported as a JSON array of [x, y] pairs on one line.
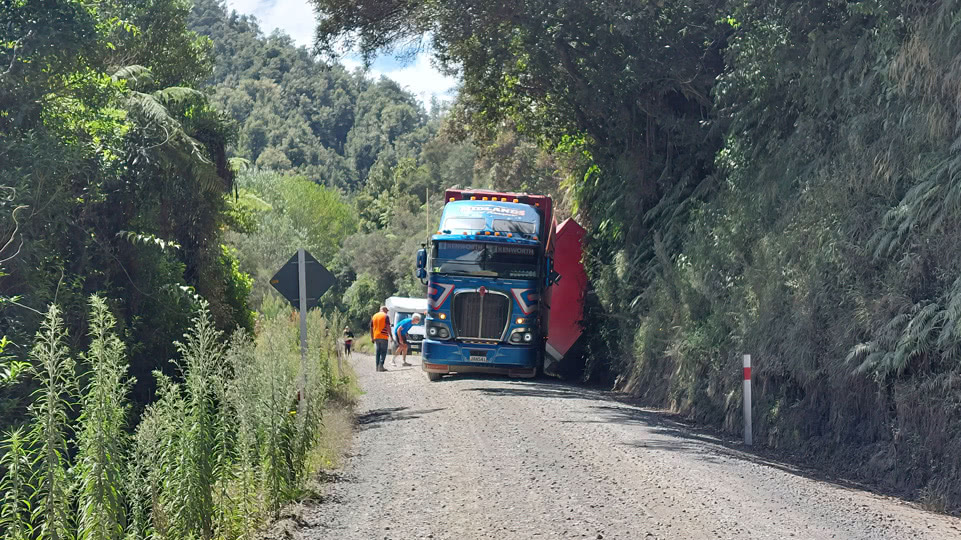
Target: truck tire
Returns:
[[433, 376]]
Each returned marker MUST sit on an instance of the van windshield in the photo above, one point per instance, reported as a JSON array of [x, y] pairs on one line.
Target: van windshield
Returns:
[[483, 259]]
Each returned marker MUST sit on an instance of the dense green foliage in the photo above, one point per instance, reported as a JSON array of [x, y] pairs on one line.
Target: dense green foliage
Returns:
[[113, 178], [297, 114], [772, 178]]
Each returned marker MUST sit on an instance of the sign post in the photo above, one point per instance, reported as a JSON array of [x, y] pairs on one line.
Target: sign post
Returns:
[[748, 435], [302, 297], [302, 281]]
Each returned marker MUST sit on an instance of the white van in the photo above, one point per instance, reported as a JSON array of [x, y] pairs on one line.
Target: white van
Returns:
[[399, 308]]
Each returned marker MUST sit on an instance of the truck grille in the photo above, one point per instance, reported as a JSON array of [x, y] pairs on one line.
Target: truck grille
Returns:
[[481, 317]]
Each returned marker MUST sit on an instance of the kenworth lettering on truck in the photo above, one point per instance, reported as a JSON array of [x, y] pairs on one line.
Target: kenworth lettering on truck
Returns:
[[490, 274]]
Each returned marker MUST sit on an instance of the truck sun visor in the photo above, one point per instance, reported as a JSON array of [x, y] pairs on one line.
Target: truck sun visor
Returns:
[[464, 223], [495, 217]]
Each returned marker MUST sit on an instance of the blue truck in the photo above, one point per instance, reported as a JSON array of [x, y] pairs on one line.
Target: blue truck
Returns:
[[489, 272]]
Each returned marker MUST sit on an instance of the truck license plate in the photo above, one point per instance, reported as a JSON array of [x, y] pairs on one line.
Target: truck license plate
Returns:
[[478, 358]]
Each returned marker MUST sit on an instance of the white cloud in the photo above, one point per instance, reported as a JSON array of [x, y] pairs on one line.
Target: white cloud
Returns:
[[297, 19], [422, 79]]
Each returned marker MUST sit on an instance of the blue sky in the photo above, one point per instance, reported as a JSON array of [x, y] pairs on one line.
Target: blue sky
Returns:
[[296, 19]]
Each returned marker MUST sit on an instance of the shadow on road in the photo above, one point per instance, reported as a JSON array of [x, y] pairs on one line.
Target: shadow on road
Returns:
[[665, 431], [542, 388], [374, 418]]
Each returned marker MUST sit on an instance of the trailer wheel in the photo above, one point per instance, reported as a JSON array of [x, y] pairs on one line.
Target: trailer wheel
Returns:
[[433, 376]]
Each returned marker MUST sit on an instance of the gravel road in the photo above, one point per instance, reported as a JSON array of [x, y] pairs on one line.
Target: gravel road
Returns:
[[488, 457]]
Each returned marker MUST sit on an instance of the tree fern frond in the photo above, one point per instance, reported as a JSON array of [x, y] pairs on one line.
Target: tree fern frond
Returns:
[[860, 351], [135, 75], [239, 164], [178, 95], [207, 178], [152, 109], [147, 239]]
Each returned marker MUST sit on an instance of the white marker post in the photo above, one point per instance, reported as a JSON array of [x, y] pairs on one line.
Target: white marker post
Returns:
[[302, 276], [748, 435]]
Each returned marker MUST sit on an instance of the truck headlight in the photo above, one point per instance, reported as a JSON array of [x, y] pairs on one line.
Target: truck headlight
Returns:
[[521, 336], [438, 331]]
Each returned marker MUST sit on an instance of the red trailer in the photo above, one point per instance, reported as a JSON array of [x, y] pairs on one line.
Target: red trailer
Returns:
[[567, 295]]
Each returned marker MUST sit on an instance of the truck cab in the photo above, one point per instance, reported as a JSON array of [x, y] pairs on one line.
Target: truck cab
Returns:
[[488, 271]]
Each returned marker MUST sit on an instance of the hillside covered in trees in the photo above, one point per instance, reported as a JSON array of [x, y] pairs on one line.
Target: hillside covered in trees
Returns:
[[778, 179], [341, 164]]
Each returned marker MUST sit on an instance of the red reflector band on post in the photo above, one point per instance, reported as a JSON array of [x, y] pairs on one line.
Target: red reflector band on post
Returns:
[[747, 374]]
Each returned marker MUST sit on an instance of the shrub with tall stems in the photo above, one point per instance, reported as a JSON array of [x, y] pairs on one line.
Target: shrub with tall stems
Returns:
[[201, 462], [277, 353], [244, 397], [158, 444], [102, 442], [183, 443], [211, 457], [15, 488], [54, 369]]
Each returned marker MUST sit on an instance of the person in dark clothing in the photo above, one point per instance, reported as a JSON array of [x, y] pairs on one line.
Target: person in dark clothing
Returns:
[[348, 340]]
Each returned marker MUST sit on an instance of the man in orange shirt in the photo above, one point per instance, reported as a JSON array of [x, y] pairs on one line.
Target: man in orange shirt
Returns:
[[379, 334]]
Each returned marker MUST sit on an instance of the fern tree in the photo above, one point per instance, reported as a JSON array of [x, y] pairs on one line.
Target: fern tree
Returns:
[[54, 400], [102, 441]]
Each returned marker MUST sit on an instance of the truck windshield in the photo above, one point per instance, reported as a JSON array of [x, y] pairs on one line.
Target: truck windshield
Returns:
[[482, 259], [522, 227]]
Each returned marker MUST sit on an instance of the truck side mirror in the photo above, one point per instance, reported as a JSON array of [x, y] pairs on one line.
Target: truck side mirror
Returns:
[[555, 278], [422, 265], [421, 260]]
